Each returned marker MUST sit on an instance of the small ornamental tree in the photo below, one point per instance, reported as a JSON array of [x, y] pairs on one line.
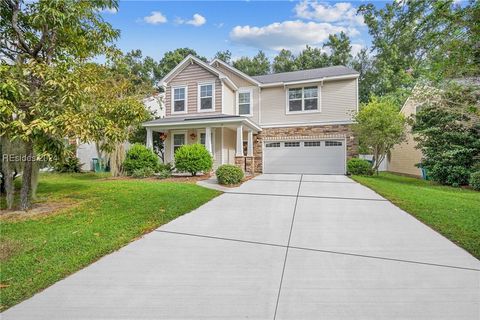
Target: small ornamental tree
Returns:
[[193, 158], [379, 127]]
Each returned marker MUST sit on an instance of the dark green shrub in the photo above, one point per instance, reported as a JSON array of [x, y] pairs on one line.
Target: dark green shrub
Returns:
[[143, 173], [359, 166], [69, 163], [475, 180], [229, 174], [193, 158], [449, 174], [139, 157]]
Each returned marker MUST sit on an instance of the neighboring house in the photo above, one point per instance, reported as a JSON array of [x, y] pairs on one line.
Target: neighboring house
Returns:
[[87, 151], [292, 122], [404, 157]]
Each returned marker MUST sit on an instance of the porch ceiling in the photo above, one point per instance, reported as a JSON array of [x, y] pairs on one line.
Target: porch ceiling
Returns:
[[187, 122]]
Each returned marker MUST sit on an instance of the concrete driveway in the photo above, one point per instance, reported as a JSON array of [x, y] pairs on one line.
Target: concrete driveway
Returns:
[[277, 247]]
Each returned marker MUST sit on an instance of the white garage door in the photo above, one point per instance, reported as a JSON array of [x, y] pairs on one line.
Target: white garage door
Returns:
[[310, 157]]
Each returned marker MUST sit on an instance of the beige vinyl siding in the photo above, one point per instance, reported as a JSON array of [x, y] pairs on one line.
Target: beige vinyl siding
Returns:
[[191, 76], [404, 156], [241, 83], [229, 101], [338, 103]]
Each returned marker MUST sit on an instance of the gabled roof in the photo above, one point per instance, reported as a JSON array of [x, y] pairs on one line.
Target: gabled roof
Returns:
[[302, 75], [235, 70], [192, 59]]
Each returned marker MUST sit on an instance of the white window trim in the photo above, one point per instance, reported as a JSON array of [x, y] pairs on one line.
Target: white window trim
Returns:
[[319, 100], [172, 98], [245, 90], [172, 133], [198, 97], [199, 131]]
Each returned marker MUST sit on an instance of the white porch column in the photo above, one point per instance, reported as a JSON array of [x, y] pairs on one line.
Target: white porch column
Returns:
[[208, 139], [239, 152], [250, 143], [149, 139]]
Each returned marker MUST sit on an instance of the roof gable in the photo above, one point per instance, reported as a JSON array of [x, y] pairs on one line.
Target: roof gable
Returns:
[[183, 64]]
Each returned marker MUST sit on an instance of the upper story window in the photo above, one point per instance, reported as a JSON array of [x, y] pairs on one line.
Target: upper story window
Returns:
[[205, 97], [303, 99], [245, 102], [179, 99]]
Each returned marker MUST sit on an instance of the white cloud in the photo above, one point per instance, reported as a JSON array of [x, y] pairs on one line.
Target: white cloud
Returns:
[[155, 17], [293, 35], [356, 48], [109, 10], [196, 21], [340, 13]]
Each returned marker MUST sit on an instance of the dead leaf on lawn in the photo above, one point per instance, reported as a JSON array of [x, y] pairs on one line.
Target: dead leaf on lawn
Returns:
[[2, 285]]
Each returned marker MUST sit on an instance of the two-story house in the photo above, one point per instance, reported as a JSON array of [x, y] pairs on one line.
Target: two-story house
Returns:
[[291, 122]]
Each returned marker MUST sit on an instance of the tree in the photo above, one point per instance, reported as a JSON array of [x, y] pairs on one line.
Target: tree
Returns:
[[362, 63], [379, 127], [421, 39], [172, 58], [447, 130], [284, 61], [225, 56], [258, 65], [311, 58], [53, 94], [340, 48]]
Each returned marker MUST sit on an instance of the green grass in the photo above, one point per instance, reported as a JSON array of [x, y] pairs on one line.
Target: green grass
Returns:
[[105, 215], [454, 212]]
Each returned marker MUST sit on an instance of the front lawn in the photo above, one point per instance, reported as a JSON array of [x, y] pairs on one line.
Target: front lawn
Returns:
[[454, 212], [94, 216]]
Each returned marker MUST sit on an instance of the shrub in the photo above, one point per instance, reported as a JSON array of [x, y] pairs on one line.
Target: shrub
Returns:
[[165, 167], [229, 174], [164, 174], [449, 174], [359, 166], [193, 158], [68, 164], [140, 157], [475, 180], [143, 173]]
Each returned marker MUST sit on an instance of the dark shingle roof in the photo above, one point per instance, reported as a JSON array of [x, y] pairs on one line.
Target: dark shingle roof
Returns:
[[305, 74]]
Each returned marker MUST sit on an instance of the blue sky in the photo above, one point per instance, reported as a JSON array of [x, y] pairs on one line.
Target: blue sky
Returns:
[[243, 27]]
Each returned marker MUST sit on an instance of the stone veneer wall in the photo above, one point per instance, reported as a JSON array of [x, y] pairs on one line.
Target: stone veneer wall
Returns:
[[289, 133]]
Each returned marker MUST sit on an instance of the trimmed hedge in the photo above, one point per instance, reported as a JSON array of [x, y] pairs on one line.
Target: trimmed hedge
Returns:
[[359, 166], [193, 158], [229, 174], [140, 157]]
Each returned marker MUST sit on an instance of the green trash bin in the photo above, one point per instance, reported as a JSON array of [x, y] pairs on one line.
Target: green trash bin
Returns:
[[98, 165]]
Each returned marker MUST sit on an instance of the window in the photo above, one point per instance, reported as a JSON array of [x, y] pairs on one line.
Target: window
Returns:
[[178, 141], [312, 143], [205, 97], [303, 99], [272, 145], [292, 144], [179, 100], [330, 143], [245, 103], [202, 138]]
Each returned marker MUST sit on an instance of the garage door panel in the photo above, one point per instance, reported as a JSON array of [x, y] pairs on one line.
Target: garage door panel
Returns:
[[311, 159]]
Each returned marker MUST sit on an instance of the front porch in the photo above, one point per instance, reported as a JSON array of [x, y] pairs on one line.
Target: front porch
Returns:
[[229, 138]]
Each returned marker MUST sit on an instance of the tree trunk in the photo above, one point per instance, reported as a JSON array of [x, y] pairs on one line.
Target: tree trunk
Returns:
[[27, 177], [7, 172]]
